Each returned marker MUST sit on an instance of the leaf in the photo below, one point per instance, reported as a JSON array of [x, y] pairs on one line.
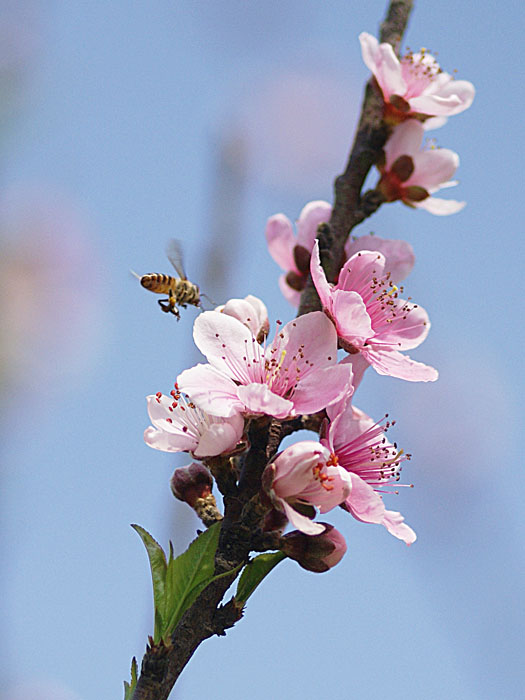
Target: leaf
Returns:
[[254, 573], [188, 575], [129, 688], [158, 566]]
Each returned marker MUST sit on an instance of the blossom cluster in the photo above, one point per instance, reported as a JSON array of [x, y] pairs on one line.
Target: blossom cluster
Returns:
[[314, 364]]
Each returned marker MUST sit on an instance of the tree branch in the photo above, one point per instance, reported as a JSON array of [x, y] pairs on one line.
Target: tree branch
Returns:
[[243, 512]]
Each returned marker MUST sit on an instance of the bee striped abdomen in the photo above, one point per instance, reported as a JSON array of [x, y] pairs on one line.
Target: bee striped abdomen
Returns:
[[158, 283]]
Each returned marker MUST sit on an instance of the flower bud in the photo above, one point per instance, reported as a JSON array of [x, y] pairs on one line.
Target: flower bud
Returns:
[[316, 553], [191, 482]]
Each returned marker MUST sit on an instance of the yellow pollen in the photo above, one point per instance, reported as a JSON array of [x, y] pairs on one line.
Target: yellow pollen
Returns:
[[271, 375]]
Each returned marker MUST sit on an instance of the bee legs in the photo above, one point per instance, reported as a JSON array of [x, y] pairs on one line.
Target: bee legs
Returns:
[[168, 306]]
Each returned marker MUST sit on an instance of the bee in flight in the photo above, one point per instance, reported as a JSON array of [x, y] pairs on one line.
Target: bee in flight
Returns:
[[179, 290]]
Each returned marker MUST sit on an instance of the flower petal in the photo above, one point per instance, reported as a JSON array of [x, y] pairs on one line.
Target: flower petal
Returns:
[[291, 295], [440, 207], [394, 364], [301, 522], [321, 388], [227, 344], [399, 255], [258, 398], [281, 241], [220, 437], [313, 214], [394, 523], [167, 442], [404, 141], [351, 317], [310, 341], [210, 389], [324, 289], [364, 503], [432, 168], [408, 328]]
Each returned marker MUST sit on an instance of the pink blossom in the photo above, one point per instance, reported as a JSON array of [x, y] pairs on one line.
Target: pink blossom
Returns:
[[182, 427], [412, 174], [305, 474], [414, 86], [370, 318], [297, 373], [292, 253], [373, 463], [250, 311]]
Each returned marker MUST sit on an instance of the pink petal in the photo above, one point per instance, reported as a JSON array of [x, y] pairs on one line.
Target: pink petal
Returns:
[[281, 241], [220, 437], [440, 207], [384, 64], [404, 141], [313, 214], [225, 342], [321, 388], [167, 442], [351, 317], [399, 255], [394, 523], [394, 364], [360, 269], [310, 342], [293, 467], [432, 168], [301, 522], [324, 289], [436, 105], [210, 389], [258, 398], [408, 329], [462, 89], [364, 503], [359, 364]]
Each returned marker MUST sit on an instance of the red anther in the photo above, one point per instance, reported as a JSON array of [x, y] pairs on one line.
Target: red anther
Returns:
[[158, 394], [168, 420]]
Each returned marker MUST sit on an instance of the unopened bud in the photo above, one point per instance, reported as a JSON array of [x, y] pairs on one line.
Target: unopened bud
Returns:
[[316, 553], [191, 482]]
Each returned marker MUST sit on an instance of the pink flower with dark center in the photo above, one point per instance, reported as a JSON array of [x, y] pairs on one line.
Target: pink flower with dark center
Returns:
[[250, 311], [292, 253], [373, 464], [182, 427], [412, 174], [297, 373], [371, 318], [415, 86], [305, 475]]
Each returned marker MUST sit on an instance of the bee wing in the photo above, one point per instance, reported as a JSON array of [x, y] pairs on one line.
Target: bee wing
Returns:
[[174, 253]]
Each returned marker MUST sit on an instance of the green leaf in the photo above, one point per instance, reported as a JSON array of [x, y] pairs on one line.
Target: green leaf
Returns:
[[254, 573], [158, 565], [188, 575], [129, 688]]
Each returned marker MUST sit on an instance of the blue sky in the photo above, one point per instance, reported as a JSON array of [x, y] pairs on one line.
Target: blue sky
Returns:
[[130, 123]]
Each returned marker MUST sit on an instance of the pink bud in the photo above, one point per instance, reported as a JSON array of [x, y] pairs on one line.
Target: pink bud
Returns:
[[316, 553], [191, 482]]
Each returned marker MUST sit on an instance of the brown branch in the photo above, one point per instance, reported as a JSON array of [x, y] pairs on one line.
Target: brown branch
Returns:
[[350, 209], [243, 510]]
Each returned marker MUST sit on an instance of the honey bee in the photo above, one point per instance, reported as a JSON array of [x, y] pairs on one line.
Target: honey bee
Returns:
[[180, 290]]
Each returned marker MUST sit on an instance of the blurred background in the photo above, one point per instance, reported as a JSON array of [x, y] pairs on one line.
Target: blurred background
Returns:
[[124, 124]]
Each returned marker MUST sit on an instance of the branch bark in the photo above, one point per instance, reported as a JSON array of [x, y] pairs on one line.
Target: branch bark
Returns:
[[163, 663], [350, 208]]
